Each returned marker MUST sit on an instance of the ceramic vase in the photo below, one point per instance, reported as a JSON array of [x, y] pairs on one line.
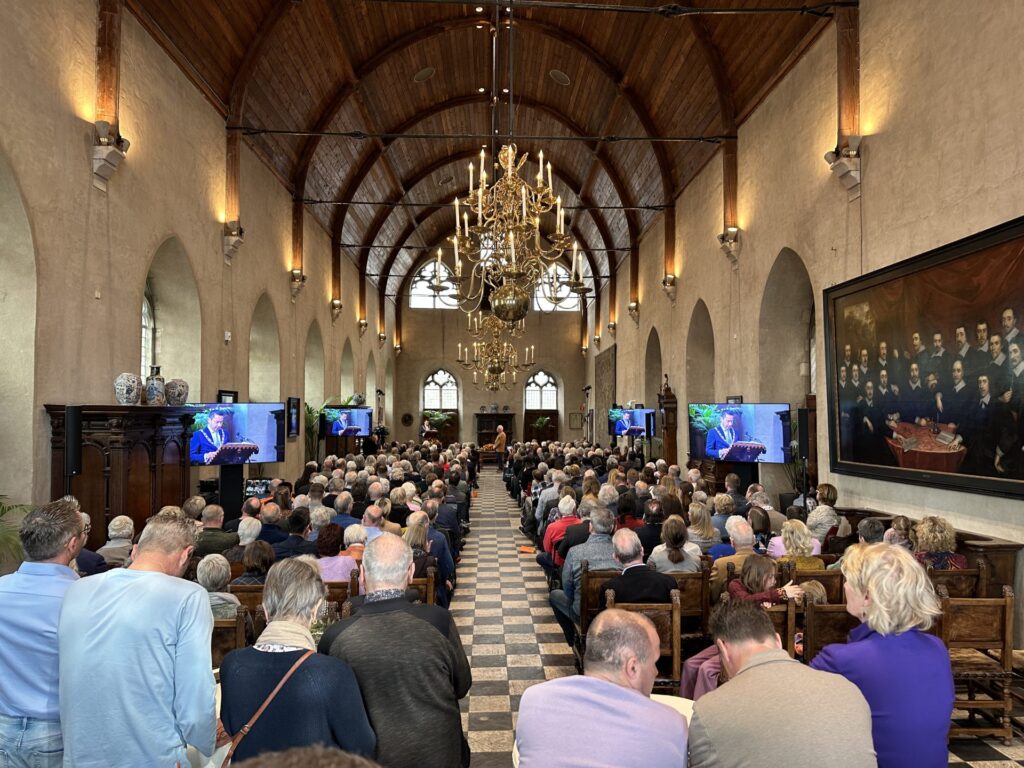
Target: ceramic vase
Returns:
[[155, 394], [128, 388], [176, 391]]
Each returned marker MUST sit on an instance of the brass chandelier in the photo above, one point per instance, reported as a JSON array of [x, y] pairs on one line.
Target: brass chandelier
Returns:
[[493, 360]]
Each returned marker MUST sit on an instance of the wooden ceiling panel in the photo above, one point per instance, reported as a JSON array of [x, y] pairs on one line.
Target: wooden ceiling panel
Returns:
[[365, 27], [337, 157]]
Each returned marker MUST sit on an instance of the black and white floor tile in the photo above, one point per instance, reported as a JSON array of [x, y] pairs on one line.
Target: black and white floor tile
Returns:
[[513, 641]]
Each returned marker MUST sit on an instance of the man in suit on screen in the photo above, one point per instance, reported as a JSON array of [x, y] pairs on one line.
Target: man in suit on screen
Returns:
[[207, 441], [721, 438]]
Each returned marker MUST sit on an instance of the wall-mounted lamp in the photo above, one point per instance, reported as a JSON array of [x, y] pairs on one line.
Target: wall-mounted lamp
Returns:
[[234, 236], [611, 327], [381, 338], [597, 339], [583, 350], [845, 164], [398, 349], [634, 310], [335, 310], [298, 282], [362, 326], [107, 153], [729, 241], [668, 284]]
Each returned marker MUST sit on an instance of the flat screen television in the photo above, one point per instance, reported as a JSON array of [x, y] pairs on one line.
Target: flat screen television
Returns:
[[348, 421], [751, 432], [630, 422], [237, 433]]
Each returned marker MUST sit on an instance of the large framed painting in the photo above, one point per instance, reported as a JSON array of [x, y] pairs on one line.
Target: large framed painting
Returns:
[[925, 367]]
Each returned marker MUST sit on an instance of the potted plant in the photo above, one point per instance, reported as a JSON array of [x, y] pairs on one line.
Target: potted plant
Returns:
[[438, 419], [11, 553], [704, 418], [312, 438], [541, 425]]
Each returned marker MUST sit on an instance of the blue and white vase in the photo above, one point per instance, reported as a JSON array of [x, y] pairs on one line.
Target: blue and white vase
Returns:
[[155, 394], [128, 388], [176, 391]]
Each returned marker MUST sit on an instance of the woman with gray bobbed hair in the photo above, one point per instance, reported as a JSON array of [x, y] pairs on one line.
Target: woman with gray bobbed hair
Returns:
[[118, 549], [213, 574], [321, 701], [249, 529]]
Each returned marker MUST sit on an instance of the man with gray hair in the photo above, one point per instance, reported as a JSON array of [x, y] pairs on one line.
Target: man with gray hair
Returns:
[[741, 536], [597, 717], [149, 621], [213, 539], [419, 681], [638, 583], [51, 536], [193, 506], [272, 533], [343, 511], [870, 530], [248, 532], [118, 549], [775, 518], [372, 519], [319, 516], [597, 551]]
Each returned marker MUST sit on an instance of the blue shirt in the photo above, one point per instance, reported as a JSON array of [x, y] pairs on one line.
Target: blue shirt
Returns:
[[31, 600], [909, 717], [136, 680], [372, 532]]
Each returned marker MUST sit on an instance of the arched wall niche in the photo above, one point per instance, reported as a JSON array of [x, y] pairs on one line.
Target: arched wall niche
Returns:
[[389, 393], [264, 353], [314, 366], [18, 320], [652, 369], [348, 370], [176, 333], [700, 356], [785, 338]]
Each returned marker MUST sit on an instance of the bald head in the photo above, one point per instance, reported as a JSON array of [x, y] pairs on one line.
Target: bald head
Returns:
[[623, 648], [387, 564], [627, 546]]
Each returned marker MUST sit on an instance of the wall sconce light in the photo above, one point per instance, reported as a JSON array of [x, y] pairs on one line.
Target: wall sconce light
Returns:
[[298, 282], [845, 164], [107, 154], [611, 327], [729, 241], [597, 339], [362, 326], [335, 310], [634, 311], [583, 350], [668, 284], [381, 338], [234, 236], [398, 349]]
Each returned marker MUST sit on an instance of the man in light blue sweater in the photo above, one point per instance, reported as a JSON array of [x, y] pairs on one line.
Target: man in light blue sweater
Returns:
[[136, 678]]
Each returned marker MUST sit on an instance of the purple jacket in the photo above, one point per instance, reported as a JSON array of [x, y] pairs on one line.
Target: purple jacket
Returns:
[[908, 683]]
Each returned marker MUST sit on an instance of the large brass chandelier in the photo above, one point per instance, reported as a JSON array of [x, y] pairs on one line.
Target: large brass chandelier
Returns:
[[494, 360], [499, 249]]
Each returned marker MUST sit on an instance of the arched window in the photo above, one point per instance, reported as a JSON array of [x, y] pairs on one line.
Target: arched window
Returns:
[[570, 301], [421, 291], [148, 334], [440, 392], [541, 392]]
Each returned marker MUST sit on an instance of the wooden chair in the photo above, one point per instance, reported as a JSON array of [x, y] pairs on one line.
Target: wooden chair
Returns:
[[667, 620], [425, 585], [967, 582], [695, 600], [979, 634], [237, 569], [339, 591], [825, 624], [590, 604], [828, 559], [783, 618], [251, 598], [832, 581], [228, 634]]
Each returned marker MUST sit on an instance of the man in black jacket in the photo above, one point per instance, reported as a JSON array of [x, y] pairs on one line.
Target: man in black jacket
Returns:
[[296, 544], [638, 582]]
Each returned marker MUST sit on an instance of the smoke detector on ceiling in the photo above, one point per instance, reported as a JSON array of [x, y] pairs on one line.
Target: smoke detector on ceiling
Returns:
[[559, 77]]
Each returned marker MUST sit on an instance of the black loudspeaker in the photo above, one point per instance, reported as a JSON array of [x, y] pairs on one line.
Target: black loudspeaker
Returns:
[[803, 417], [72, 440]]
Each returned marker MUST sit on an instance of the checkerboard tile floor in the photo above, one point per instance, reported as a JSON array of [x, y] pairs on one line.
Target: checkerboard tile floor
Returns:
[[513, 641]]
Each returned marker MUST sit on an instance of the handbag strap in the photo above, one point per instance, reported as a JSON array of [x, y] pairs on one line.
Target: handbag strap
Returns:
[[266, 703]]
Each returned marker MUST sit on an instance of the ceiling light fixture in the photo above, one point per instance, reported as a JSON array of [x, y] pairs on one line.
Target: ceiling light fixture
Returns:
[[559, 77], [481, 89]]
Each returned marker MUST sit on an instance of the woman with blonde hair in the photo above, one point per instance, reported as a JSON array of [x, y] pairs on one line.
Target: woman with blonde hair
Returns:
[[934, 540], [799, 547], [890, 592], [702, 531]]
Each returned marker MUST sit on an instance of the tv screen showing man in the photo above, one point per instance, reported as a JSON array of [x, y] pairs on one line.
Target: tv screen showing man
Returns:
[[349, 422], [208, 440], [628, 421], [237, 434], [745, 432]]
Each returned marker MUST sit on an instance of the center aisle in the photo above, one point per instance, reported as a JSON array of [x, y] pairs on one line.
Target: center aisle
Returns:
[[506, 624]]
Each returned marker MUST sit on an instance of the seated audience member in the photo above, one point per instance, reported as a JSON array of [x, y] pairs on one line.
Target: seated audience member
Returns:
[[270, 515], [30, 735], [213, 539], [598, 552], [342, 511], [701, 532], [355, 542], [384, 504], [903, 672], [629, 510], [740, 723], [650, 532], [555, 532], [248, 531], [373, 519], [250, 511], [321, 702], [724, 509], [798, 547], [213, 574], [334, 566], [257, 559], [146, 619], [193, 507], [934, 542], [416, 537], [741, 536], [725, 548], [675, 554], [777, 547], [638, 583], [763, 501], [318, 517], [439, 546], [411, 692], [296, 543], [604, 717], [870, 530], [87, 563], [899, 531], [399, 508], [822, 520], [579, 533], [755, 584], [118, 549]]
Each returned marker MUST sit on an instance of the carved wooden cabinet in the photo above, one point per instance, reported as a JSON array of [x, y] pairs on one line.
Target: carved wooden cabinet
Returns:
[[487, 427], [134, 461]]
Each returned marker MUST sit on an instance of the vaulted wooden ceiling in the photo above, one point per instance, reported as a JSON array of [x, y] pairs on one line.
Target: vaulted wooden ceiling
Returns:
[[349, 65]]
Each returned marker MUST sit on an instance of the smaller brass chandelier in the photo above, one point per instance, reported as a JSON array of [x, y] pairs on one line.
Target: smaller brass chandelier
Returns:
[[494, 361]]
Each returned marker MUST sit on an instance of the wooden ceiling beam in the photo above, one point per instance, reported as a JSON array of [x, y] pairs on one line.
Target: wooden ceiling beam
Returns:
[[848, 74]]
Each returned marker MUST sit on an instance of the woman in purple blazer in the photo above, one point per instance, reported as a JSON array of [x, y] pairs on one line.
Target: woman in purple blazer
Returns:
[[903, 673]]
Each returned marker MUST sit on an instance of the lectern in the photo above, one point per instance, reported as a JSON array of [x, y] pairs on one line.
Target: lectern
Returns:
[[745, 451], [234, 453]]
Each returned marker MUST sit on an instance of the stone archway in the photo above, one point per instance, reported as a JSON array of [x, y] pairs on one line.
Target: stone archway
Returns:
[[785, 336], [700, 356], [652, 369], [264, 354], [172, 332], [348, 371], [314, 366]]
